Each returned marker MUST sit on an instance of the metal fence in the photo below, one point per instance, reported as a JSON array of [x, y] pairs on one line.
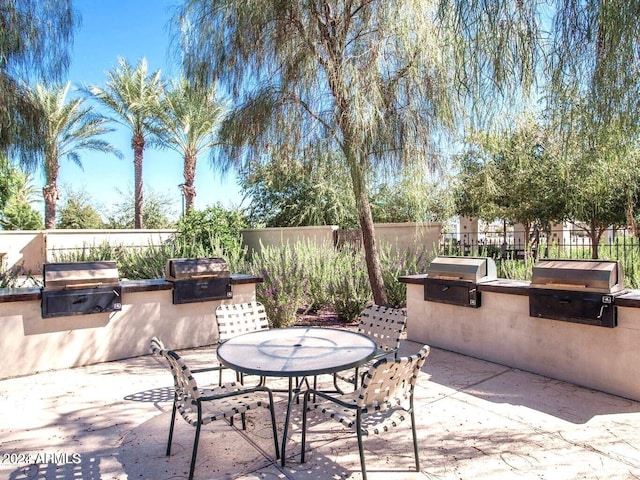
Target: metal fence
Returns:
[[563, 244]]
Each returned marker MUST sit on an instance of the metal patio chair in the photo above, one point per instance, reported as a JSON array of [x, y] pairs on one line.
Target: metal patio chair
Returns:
[[384, 325], [383, 401], [237, 318], [202, 406]]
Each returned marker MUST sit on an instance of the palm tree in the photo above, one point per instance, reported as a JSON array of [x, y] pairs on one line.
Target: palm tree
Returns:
[[132, 95], [188, 121], [65, 129]]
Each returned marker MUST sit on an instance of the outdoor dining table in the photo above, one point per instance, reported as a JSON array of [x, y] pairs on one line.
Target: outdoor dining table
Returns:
[[296, 352]]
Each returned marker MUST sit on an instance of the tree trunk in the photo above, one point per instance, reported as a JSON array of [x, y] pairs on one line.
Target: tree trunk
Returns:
[[594, 233], [188, 190], [371, 255], [356, 162], [50, 194], [50, 191], [138, 144]]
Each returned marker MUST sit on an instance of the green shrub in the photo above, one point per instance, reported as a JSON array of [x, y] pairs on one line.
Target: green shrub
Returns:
[[88, 253], [515, 269], [214, 229]]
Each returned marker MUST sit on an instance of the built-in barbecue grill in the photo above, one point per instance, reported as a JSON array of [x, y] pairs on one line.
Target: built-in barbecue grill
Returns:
[[455, 280], [80, 288], [581, 291], [199, 279]]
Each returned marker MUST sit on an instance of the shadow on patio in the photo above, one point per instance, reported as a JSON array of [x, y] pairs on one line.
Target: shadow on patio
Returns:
[[475, 420]]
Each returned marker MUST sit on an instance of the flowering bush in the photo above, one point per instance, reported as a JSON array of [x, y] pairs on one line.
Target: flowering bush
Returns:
[[284, 287], [396, 264], [349, 286]]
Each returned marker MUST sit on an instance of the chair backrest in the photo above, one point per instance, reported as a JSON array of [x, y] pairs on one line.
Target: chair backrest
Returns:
[[238, 318], [389, 382], [383, 325], [186, 388]]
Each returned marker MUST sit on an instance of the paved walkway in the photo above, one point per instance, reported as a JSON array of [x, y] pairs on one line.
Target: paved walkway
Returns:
[[476, 420]]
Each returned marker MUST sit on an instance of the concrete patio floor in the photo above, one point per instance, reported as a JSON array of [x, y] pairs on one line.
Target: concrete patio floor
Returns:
[[476, 420]]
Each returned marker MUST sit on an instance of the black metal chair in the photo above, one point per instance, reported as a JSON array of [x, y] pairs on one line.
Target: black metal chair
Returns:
[[202, 406], [383, 401], [384, 325]]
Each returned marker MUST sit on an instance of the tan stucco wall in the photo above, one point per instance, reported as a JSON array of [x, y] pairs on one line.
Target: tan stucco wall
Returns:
[[606, 359], [32, 248], [30, 343], [252, 237], [65, 240], [23, 248], [409, 236], [400, 236]]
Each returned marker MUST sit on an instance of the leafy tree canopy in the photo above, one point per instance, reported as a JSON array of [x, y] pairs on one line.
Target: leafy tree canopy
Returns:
[[291, 192], [156, 213], [513, 175], [212, 228], [17, 212], [360, 77], [77, 212], [10, 179]]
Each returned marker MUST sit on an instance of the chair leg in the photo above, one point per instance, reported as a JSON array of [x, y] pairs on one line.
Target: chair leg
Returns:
[[415, 440], [360, 446], [195, 450], [173, 421]]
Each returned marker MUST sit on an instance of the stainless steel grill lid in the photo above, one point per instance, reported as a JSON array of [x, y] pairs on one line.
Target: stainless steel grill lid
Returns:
[[80, 274], [601, 276], [192, 268], [473, 269]]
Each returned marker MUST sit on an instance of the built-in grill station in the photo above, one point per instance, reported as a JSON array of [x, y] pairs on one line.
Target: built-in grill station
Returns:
[[454, 280], [199, 279], [581, 291], [80, 288]]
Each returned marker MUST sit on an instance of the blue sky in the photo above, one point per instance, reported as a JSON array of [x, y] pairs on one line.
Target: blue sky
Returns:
[[132, 29]]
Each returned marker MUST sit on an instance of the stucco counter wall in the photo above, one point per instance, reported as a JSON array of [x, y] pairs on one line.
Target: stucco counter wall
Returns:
[[34, 344], [501, 331]]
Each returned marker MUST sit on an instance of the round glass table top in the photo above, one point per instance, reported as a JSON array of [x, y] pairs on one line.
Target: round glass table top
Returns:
[[296, 351]]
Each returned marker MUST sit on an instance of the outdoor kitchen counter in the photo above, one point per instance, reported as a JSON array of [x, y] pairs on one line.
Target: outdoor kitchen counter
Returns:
[[502, 331], [128, 286], [521, 287], [147, 309]]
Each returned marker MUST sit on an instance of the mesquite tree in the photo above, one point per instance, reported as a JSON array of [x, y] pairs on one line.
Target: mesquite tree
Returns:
[[367, 78]]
